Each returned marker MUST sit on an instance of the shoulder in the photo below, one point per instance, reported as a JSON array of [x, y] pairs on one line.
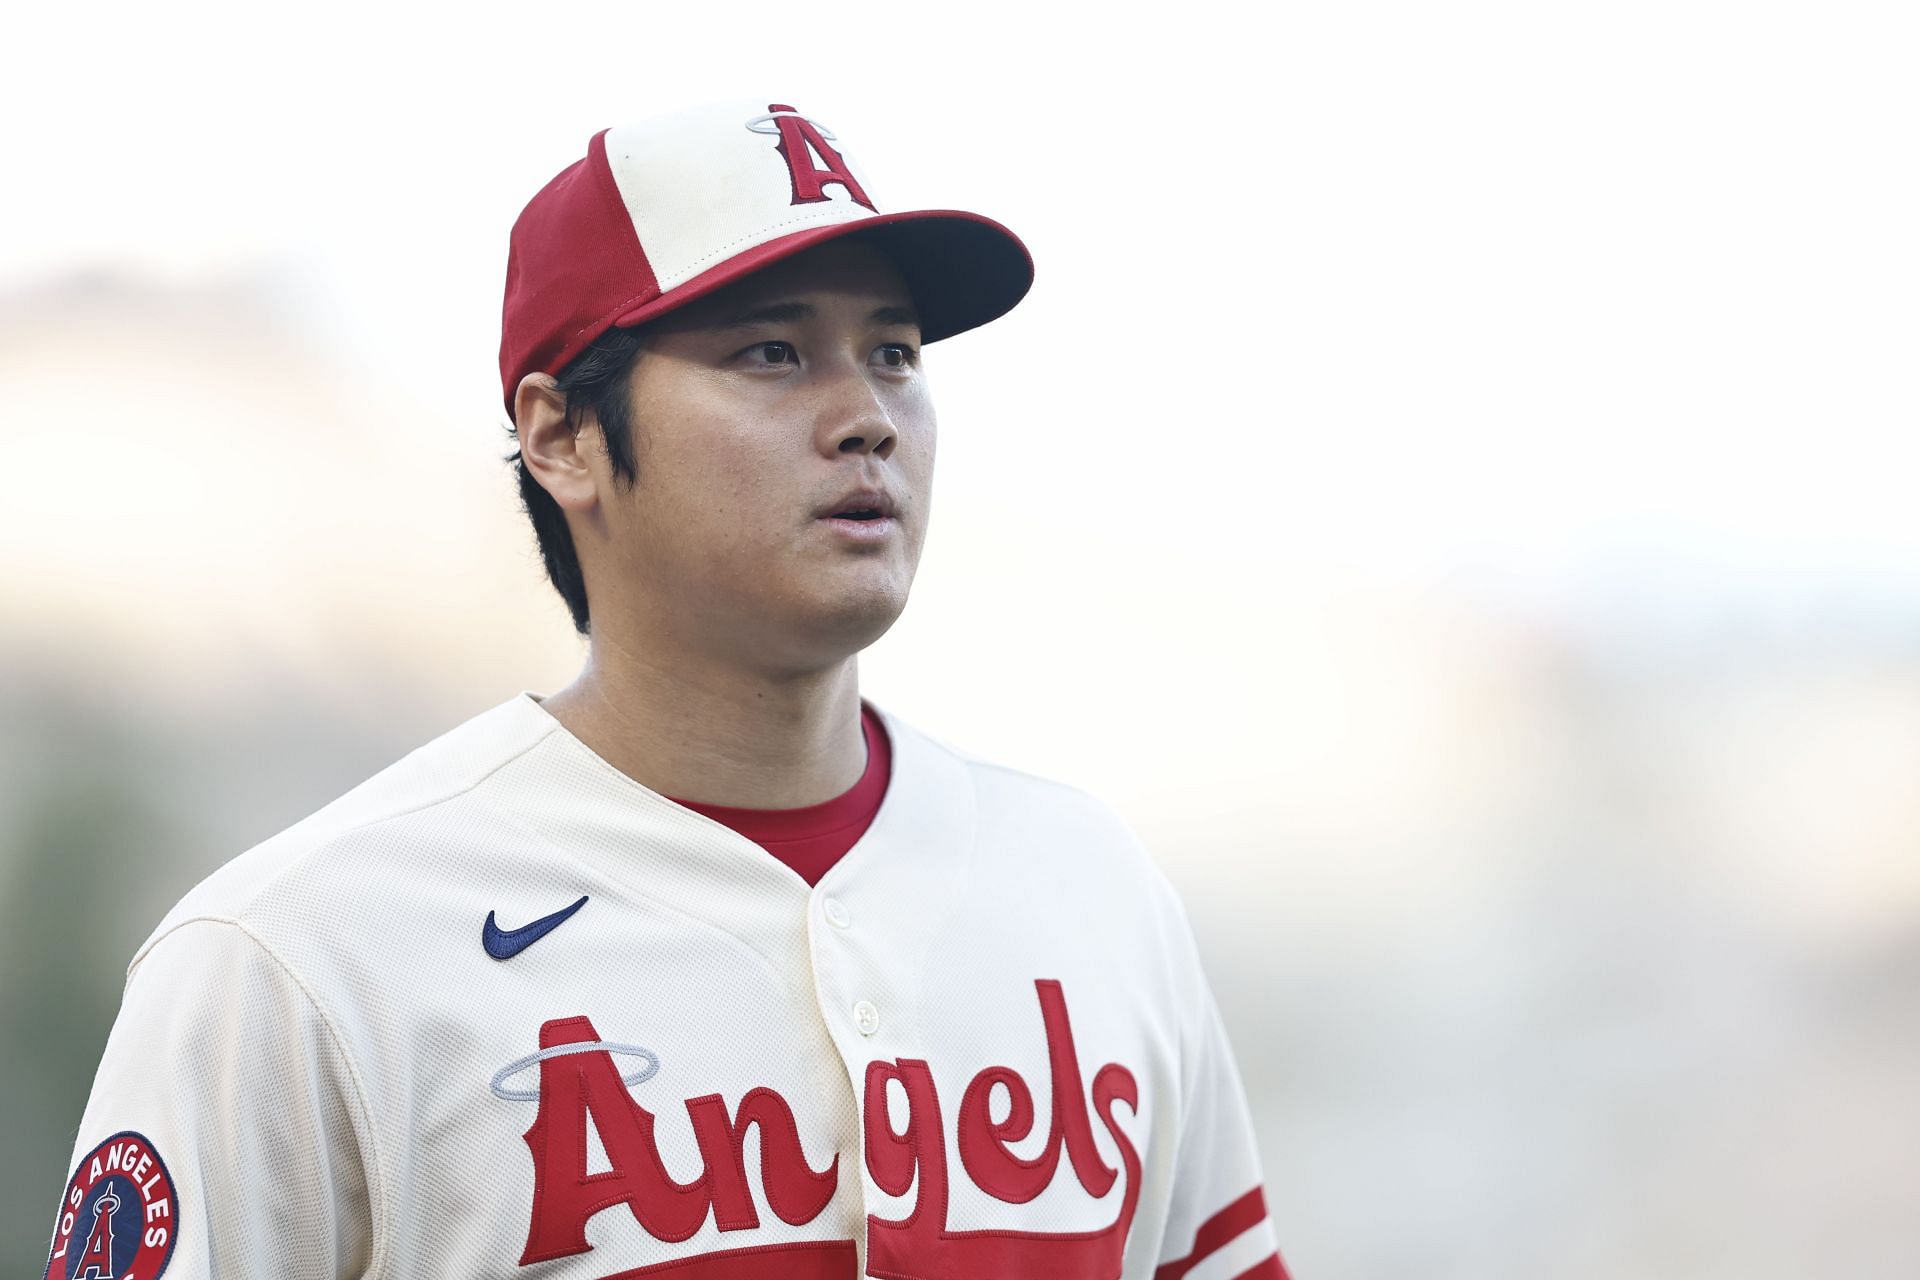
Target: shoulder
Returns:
[[1002, 789], [429, 790], [1056, 827]]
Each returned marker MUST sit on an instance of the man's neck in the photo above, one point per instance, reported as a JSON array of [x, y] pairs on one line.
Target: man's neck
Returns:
[[717, 735]]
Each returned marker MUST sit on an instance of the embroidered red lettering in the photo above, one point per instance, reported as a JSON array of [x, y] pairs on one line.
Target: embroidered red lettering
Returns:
[[576, 1086], [795, 1193], [799, 143], [919, 1246]]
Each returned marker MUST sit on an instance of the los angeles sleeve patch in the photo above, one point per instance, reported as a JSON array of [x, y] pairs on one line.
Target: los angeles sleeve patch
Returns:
[[119, 1215]]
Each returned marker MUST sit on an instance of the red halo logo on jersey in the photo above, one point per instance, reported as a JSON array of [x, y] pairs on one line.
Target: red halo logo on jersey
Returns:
[[118, 1216]]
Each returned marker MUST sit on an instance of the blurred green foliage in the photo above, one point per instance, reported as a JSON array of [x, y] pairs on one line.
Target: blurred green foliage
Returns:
[[85, 833]]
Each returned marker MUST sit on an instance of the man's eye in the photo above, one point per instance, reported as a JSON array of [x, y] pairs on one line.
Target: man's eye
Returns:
[[773, 352], [896, 355]]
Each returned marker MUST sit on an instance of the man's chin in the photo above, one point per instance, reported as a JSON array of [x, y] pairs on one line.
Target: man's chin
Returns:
[[847, 621], [862, 619]]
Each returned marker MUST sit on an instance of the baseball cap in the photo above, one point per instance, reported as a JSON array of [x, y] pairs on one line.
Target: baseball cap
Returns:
[[663, 212]]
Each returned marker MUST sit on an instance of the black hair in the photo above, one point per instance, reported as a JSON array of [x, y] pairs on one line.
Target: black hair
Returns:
[[595, 380]]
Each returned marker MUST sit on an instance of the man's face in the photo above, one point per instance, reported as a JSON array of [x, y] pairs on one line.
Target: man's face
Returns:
[[755, 411]]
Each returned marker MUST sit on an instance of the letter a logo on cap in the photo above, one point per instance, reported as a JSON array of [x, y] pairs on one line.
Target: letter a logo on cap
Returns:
[[800, 141]]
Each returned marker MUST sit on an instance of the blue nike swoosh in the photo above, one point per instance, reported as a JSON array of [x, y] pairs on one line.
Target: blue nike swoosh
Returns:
[[504, 944]]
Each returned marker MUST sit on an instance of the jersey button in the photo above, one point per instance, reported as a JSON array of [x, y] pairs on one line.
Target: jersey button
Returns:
[[866, 1017], [835, 913]]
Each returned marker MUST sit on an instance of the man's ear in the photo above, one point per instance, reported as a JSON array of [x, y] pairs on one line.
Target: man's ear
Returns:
[[550, 445]]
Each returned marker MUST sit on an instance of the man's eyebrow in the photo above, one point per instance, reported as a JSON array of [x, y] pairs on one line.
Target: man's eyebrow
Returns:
[[783, 312], [774, 314]]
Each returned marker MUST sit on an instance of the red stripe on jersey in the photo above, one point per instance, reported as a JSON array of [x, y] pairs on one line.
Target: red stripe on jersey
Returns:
[[807, 1260], [1247, 1211]]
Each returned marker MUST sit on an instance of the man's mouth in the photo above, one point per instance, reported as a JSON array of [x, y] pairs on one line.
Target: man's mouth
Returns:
[[862, 514], [861, 524]]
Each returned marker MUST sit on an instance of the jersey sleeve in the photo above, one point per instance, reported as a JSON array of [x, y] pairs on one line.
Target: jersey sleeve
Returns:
[[224, 1135], [1217, 1224]]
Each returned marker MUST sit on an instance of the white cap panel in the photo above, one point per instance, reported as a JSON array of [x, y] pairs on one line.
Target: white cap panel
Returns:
[[715, 187]]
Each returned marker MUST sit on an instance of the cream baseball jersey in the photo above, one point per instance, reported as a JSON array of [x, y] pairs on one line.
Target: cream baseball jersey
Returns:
[[503, 1011]]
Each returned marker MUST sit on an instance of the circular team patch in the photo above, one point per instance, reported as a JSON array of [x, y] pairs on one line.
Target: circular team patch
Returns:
[[118, 1216]]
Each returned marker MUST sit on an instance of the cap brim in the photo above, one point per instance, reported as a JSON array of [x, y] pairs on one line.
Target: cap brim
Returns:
[[961, 268]]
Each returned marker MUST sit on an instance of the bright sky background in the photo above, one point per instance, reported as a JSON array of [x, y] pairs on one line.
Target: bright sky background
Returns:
[[1546, 296]]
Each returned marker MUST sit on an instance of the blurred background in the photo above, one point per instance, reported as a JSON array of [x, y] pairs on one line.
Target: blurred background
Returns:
[[1452, 487]]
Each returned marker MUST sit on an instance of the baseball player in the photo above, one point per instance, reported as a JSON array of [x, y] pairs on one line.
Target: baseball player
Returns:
[[704, 966]]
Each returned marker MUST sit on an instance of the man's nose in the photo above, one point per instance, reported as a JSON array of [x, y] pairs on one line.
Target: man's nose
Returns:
[[855, 418]]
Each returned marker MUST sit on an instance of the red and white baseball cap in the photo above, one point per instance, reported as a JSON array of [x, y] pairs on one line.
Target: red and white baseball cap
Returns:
[[668, 210]]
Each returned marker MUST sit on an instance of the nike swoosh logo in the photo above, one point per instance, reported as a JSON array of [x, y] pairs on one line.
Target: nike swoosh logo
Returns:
[[505, 944]]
